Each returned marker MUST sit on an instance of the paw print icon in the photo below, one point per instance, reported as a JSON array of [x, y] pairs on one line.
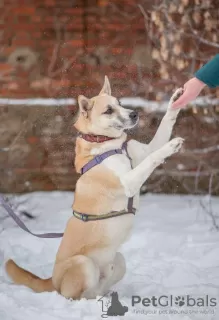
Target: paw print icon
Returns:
[[180, 301]]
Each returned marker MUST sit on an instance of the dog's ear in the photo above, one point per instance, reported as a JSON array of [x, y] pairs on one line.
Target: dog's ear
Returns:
[[106, 87], [85, 105]]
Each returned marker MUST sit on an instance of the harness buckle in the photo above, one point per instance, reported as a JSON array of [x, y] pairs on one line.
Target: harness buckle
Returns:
[[84, 217]]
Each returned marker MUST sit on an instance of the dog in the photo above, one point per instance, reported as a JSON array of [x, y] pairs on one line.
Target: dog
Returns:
[[88, 262]]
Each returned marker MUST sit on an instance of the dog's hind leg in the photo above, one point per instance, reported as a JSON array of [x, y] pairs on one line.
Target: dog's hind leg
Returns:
[[110, 275], [78, 274], [133, 180], [118, 269]]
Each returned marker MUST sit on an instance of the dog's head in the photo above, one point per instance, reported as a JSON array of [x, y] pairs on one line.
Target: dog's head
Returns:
[[103, 114]]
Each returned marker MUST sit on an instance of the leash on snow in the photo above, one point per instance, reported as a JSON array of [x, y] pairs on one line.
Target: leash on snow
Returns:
[[20, 223]]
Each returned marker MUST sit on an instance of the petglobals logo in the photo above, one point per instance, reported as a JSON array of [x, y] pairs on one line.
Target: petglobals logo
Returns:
[[174, 301], [112, 306]]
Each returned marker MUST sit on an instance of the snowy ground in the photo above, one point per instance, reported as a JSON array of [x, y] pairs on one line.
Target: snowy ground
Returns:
[[172, 251]]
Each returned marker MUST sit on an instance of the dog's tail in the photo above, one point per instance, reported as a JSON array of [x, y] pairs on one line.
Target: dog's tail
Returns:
[[23, 277]]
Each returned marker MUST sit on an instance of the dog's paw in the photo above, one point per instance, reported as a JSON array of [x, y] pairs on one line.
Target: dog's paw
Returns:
[[176, 144], [172, 147], [174, 97]]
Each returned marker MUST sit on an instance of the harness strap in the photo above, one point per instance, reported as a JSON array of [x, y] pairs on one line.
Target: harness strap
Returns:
[[92, 163], [20, 223], [130, 200], [98, 159], [93, 217], [82, 216]]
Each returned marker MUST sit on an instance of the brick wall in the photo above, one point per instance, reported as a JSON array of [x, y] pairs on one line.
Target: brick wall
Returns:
[[63, 48], [41, 144], [41, 149]]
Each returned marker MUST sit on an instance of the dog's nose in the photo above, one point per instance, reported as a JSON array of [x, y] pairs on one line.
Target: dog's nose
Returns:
[[133, 115]]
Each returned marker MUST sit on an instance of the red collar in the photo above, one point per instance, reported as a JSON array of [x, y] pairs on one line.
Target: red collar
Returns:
[[93, 137]]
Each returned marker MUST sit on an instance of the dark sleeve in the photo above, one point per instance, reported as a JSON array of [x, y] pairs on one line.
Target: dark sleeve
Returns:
[[209, 73]]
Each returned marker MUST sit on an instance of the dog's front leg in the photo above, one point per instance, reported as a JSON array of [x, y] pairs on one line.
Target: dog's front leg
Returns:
[[133, 180], [164, 131], [139, 151]]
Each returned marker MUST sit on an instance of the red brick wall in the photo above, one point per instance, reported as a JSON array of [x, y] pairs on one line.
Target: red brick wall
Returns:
[[41, 144], [65, 47], [58, 48]]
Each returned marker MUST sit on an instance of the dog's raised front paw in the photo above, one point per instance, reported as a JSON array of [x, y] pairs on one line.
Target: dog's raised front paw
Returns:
[[176, 95], [171, 147], [176, 144], [170, 111]]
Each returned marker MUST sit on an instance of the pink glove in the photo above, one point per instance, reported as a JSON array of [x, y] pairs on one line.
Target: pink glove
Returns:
[[191, 88]]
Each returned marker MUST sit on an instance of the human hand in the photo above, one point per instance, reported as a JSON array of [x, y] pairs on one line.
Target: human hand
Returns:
[[191, 90]]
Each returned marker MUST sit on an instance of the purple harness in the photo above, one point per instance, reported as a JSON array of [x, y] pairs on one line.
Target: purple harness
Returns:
[[92, 163], [82, 216]]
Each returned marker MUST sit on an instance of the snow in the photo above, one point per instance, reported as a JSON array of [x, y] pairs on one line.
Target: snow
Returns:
[[38, 102], [173, 250], [161, 106], [147, 105]]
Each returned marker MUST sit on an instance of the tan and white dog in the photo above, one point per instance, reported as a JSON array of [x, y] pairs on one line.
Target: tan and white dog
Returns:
[[88, 262]]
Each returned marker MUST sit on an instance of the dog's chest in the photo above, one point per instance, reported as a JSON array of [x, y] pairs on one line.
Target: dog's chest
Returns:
[[117, 229], [119, 164]]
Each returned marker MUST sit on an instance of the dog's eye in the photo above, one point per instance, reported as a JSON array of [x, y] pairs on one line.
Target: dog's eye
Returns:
[[109, 110]]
